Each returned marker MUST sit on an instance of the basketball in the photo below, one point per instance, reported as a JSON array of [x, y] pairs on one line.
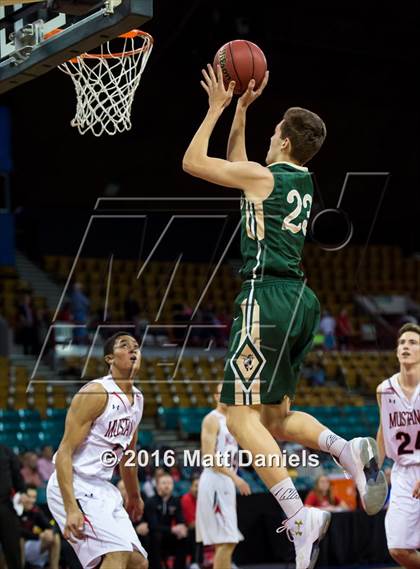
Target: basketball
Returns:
[[241, 61]]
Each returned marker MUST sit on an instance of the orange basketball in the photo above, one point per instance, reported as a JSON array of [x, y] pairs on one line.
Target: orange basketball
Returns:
[[241, 61]]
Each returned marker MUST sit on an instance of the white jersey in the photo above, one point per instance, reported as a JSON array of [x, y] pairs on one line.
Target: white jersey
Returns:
[[110, 434], [226, 445], [400, 421], [216, 520]]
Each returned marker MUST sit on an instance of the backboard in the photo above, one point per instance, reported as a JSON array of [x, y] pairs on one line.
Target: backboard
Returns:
[[29, 48]]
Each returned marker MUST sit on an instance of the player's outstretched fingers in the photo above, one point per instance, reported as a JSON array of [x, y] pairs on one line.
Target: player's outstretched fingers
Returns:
[[416, 492], [219, 74], [206, 78], [205, 87], [211, 73], [209, 82]]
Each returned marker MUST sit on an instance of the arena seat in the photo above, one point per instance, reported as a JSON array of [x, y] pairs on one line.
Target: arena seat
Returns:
[[51, 426], [181, 487], [327, 274], [186, 287], [9, 416], [52, 438], [145, 438], [6, 427], [8, 439], [28, 440], [168, 418], [190, 425], [41, 496], [29, 415], [29, 426], [56, 414], [194, 414]]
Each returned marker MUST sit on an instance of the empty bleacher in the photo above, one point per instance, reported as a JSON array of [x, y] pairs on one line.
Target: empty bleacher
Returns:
[[335, 277], [187, 285], [346, 402]]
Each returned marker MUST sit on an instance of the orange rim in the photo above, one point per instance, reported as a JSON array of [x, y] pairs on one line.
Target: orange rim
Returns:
[[127, 35]]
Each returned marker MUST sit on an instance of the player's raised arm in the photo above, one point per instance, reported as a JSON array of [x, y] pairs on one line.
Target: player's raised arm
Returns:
[[236, 150], [86, 406], [135, 505], [209, 431], [196, 160], [379, 435], [248, 176]]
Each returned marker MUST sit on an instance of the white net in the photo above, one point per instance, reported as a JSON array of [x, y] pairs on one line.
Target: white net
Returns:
[[106, 83]]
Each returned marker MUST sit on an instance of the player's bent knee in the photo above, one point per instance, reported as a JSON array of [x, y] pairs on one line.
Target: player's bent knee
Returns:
[[273, 418], [137, 561], [275, 429]]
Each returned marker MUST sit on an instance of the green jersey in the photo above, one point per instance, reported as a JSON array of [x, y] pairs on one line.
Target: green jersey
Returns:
[[273, 230]]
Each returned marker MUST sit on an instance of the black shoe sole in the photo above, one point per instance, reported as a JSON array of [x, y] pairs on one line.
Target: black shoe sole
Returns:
[[315, 546]]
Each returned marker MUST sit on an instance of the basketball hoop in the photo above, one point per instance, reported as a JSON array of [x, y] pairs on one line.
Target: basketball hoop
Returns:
[[106, 83]]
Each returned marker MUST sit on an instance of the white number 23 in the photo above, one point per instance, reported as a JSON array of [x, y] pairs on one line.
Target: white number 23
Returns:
[[306, 202]]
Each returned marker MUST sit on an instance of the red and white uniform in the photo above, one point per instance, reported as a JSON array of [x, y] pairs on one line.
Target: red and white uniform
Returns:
[[107, 525], [216, 519], [400, 421]]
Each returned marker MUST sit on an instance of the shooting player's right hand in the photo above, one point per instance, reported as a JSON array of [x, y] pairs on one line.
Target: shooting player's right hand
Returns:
[[250, 95]]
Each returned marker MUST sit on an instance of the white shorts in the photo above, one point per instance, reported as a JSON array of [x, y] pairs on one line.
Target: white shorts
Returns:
[[216, 519], [107, 525], [33, 554], [402, 519]]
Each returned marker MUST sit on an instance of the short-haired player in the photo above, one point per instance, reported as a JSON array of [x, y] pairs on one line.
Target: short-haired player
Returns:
[[101, 425], [276, 315], [399, 439]]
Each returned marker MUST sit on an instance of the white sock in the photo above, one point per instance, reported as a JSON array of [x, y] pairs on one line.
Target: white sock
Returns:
[[287, 496], [332, 443], [340, 449]]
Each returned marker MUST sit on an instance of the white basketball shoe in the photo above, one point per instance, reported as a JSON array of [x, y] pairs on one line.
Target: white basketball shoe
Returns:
[[306, 529], [360, 459]]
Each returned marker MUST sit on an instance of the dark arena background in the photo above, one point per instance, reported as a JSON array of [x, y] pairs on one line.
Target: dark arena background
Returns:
[[103, 234]]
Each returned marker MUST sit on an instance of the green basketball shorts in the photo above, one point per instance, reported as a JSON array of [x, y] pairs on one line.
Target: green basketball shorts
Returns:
[[274, 323]]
